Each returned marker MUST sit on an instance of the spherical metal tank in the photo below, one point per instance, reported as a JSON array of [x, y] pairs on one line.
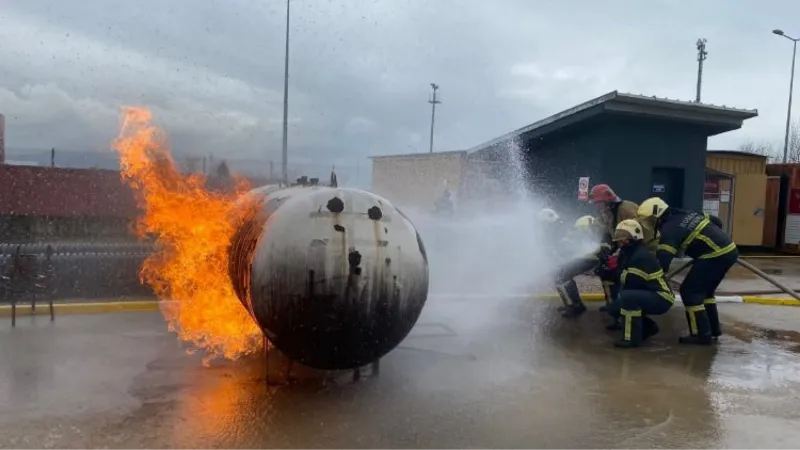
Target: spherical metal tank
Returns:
[[335, 277]]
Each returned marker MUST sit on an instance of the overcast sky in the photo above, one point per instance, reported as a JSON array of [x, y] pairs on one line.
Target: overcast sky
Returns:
[[212, 71]]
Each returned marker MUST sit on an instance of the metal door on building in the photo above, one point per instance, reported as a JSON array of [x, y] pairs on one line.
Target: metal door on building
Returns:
[[668, 184], [717, 198]]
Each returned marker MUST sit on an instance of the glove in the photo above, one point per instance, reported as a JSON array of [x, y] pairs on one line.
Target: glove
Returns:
[[608, 269]]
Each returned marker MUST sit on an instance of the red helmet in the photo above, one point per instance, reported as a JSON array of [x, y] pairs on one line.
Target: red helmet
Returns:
[[602, 193]]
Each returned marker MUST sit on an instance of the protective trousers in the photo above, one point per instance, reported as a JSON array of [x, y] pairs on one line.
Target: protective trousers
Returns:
[[698, 292], [611, 292], [567, 288], [636, 305]]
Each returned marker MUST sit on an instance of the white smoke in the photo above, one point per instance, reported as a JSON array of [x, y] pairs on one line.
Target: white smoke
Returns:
[[492, 250]]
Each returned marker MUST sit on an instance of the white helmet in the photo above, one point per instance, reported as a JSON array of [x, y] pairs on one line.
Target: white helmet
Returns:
[[547, 215], [629, 229]]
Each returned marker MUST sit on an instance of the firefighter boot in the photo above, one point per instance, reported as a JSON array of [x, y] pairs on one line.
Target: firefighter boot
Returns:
[[699, 327], [608, 297], [713, 317], [631, 330], [576, 304], [649, 328], [614, 312], [562, 293]]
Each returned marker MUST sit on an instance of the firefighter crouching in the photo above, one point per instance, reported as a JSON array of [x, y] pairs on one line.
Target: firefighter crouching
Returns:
[[612, 210], [644, 291], [565, 283], [700, 237]]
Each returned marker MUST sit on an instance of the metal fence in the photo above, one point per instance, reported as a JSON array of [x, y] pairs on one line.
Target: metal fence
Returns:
[[72, 271]]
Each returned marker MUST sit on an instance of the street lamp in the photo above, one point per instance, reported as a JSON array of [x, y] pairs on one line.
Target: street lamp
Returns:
[[285, 152], [791, 88]]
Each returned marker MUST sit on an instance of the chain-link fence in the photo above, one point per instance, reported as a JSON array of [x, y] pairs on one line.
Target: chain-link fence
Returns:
[[72, 270]]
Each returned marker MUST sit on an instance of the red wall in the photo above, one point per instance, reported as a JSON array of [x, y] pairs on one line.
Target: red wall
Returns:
[[60, 192]]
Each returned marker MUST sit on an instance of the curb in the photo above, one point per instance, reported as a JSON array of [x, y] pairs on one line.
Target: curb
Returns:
[[153, 305], [42, 309], [773, 301]]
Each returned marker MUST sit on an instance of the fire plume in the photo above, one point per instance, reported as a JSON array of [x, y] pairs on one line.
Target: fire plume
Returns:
[[192, 228]]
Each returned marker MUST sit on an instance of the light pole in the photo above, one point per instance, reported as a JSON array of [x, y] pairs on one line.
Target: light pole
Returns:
[[791, 88], [433, 101], [285, 153]]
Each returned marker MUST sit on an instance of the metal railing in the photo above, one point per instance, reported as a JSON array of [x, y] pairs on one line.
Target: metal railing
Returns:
[[71, 271]]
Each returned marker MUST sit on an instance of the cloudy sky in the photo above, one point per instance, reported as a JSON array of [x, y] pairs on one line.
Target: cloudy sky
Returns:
[[212, 70]]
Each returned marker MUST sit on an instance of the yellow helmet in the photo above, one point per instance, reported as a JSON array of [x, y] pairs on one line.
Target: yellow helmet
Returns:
[[584, 222], [629, 229], [652, 207]]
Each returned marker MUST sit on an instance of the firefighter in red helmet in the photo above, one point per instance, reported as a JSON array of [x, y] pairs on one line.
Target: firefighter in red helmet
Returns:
[[613, 210]]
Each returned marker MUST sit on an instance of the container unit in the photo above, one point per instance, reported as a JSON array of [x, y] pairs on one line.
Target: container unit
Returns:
[[736, 186], [784, 192]]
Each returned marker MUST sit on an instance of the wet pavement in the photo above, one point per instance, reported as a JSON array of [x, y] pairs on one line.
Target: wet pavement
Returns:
[[742, 281], [474, 373]]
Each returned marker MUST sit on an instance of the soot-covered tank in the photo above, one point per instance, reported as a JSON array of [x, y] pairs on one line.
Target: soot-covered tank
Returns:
[[335, 277]]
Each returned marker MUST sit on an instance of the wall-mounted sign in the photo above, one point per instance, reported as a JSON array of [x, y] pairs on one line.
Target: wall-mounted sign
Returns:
[[725, 196], [658, 188], [711, 186], [583, 188]]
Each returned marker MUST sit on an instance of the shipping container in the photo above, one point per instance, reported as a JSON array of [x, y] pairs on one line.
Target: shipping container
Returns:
[[785, 193], [742, 196]]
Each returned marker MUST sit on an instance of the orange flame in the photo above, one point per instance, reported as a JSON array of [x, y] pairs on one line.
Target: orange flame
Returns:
[[192, 228]]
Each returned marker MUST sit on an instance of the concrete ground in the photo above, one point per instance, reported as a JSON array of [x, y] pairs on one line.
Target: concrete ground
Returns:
[[474, 373]]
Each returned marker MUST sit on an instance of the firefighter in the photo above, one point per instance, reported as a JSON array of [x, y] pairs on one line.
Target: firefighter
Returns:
[[553, 228], [549, 218], [613, 210], [606, 268], [644, 290], [699, 236], [566, 287]]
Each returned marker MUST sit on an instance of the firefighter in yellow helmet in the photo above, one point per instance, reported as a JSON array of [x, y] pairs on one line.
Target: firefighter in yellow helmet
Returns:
[[699, 236], [644, 290], [584, 228]]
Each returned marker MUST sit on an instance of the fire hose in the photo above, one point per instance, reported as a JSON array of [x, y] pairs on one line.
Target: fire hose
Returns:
[[747, 265]]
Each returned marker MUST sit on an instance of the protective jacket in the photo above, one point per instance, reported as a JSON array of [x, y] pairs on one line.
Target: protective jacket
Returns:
[[642, 271], [625, 210], [698, 235]]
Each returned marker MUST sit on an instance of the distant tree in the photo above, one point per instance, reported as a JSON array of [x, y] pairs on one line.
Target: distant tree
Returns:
[[221, 180], [774, 151], [761, 148], [793, 153], [223, 172]]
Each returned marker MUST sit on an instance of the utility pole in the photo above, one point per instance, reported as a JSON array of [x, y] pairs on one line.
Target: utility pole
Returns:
[[791, 89], [701, 56], [433, 101], [285, 154]]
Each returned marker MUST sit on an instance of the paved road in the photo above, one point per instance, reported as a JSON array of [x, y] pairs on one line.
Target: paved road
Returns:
[[474, 373]]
